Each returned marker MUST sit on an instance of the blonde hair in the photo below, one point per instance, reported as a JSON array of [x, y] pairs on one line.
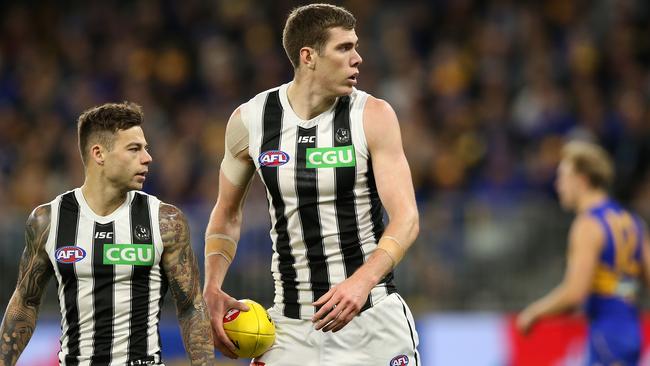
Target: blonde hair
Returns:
[[592, 161]]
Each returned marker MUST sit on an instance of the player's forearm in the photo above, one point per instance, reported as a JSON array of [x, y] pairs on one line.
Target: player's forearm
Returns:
[[378, 265], [223, 230], [196, 332], [405, 227], [402, 232], [558, 301], [216, 268], [17, 328]]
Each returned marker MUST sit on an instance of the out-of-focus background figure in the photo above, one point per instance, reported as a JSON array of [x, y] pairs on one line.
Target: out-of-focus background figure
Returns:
[[487, 93]]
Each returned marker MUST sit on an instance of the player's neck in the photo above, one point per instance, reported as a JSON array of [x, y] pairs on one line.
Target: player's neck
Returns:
[[307, 98], [591, 199], [102, 198]]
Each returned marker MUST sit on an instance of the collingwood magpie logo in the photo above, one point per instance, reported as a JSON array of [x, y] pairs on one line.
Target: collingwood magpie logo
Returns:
[[342, 135], [141, 233]]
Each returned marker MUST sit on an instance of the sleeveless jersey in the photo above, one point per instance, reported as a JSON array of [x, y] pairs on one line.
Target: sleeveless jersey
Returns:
[[616, 282], [110, 283], [326, 216]]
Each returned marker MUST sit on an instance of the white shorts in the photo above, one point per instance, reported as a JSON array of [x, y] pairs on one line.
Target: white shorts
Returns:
[[382, 335]]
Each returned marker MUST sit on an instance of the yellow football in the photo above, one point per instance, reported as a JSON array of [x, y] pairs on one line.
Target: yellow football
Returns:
[[252, 332]]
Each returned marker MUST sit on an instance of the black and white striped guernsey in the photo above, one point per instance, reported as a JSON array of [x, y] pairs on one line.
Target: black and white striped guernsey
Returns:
[[109, 279], [326, 216]]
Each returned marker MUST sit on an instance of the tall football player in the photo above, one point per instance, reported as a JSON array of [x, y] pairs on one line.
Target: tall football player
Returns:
[[330, 156]]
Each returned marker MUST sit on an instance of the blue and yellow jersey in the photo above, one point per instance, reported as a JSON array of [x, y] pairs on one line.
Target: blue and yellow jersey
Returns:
[[617, 279]]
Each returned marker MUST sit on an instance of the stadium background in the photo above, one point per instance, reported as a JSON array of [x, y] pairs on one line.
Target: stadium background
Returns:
[[486, 93]]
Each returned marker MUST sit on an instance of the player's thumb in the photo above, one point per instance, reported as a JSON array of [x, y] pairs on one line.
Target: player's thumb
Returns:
[[240, 305]]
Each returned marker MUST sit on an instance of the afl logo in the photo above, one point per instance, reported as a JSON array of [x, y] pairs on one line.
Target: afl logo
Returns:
[[231, 315], [69, 254], [273, 158], [400, 360]]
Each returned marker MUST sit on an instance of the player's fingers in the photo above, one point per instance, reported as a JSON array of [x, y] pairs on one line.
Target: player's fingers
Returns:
[[325, 298], [325, 310], [223, 340], [341, 320], [223, 349], [333, 313], [239, 305]]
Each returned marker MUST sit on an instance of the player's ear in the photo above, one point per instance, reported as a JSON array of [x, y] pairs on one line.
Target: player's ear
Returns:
[[97, 154], [307, 57]]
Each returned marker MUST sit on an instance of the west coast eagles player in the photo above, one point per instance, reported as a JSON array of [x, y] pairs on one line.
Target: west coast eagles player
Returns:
[[114, 252], [330, 156], [608, 259]]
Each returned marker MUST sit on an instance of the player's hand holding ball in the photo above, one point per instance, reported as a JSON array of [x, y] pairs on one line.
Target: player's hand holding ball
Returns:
[[219, 303], [252, 332]]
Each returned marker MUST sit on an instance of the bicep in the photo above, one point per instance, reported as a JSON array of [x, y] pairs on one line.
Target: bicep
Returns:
[[35, 268], [237, 165], [390, 167]]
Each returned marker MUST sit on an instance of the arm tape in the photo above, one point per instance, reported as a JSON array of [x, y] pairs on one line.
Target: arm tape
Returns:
[[393, 248], [220, 244]]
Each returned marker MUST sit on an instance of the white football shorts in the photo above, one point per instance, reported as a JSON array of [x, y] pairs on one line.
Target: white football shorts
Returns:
[[382, 335]]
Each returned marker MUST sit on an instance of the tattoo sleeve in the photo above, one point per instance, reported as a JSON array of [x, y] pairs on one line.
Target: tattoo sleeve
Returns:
[[180, 266], [34, 272]]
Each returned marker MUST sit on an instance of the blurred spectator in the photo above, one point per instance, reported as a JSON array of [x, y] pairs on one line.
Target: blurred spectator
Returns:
[[486, 93]]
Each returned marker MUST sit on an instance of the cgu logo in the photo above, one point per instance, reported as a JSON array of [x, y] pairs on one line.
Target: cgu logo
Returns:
[[273, 158], [400, 360], [129, 254], [331, 157], [69, 254], [231, 315]]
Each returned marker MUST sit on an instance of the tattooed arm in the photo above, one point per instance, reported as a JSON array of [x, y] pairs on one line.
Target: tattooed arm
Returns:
[[180, 266], [34, 272]]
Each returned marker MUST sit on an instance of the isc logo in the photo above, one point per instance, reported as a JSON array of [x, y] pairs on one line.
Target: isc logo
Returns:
[[69, 254], [306, 139], [273, 158], [103, 235], [400, 360]]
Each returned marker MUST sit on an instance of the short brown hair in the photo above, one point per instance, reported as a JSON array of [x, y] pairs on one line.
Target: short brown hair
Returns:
[[592, 161], [308, 26], [99, 124]]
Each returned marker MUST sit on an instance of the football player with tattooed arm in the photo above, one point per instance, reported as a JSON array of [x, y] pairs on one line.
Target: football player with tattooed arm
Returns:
[[330, 156], [114, 252]]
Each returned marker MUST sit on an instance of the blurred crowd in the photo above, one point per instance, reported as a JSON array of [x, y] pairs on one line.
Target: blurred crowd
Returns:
[[486, 93]]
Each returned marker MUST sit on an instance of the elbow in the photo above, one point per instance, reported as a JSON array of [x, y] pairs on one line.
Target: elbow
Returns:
[[412, 222]]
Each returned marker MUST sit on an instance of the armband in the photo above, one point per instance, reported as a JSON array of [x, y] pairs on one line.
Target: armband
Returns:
[[220, 244], [393, 248]]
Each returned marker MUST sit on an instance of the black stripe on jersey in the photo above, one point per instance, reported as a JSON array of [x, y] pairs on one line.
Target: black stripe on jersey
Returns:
[[66, 235], [141, 233], [377, 217], [103, 299], [346, 213], [271, 141], [307, 194]]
